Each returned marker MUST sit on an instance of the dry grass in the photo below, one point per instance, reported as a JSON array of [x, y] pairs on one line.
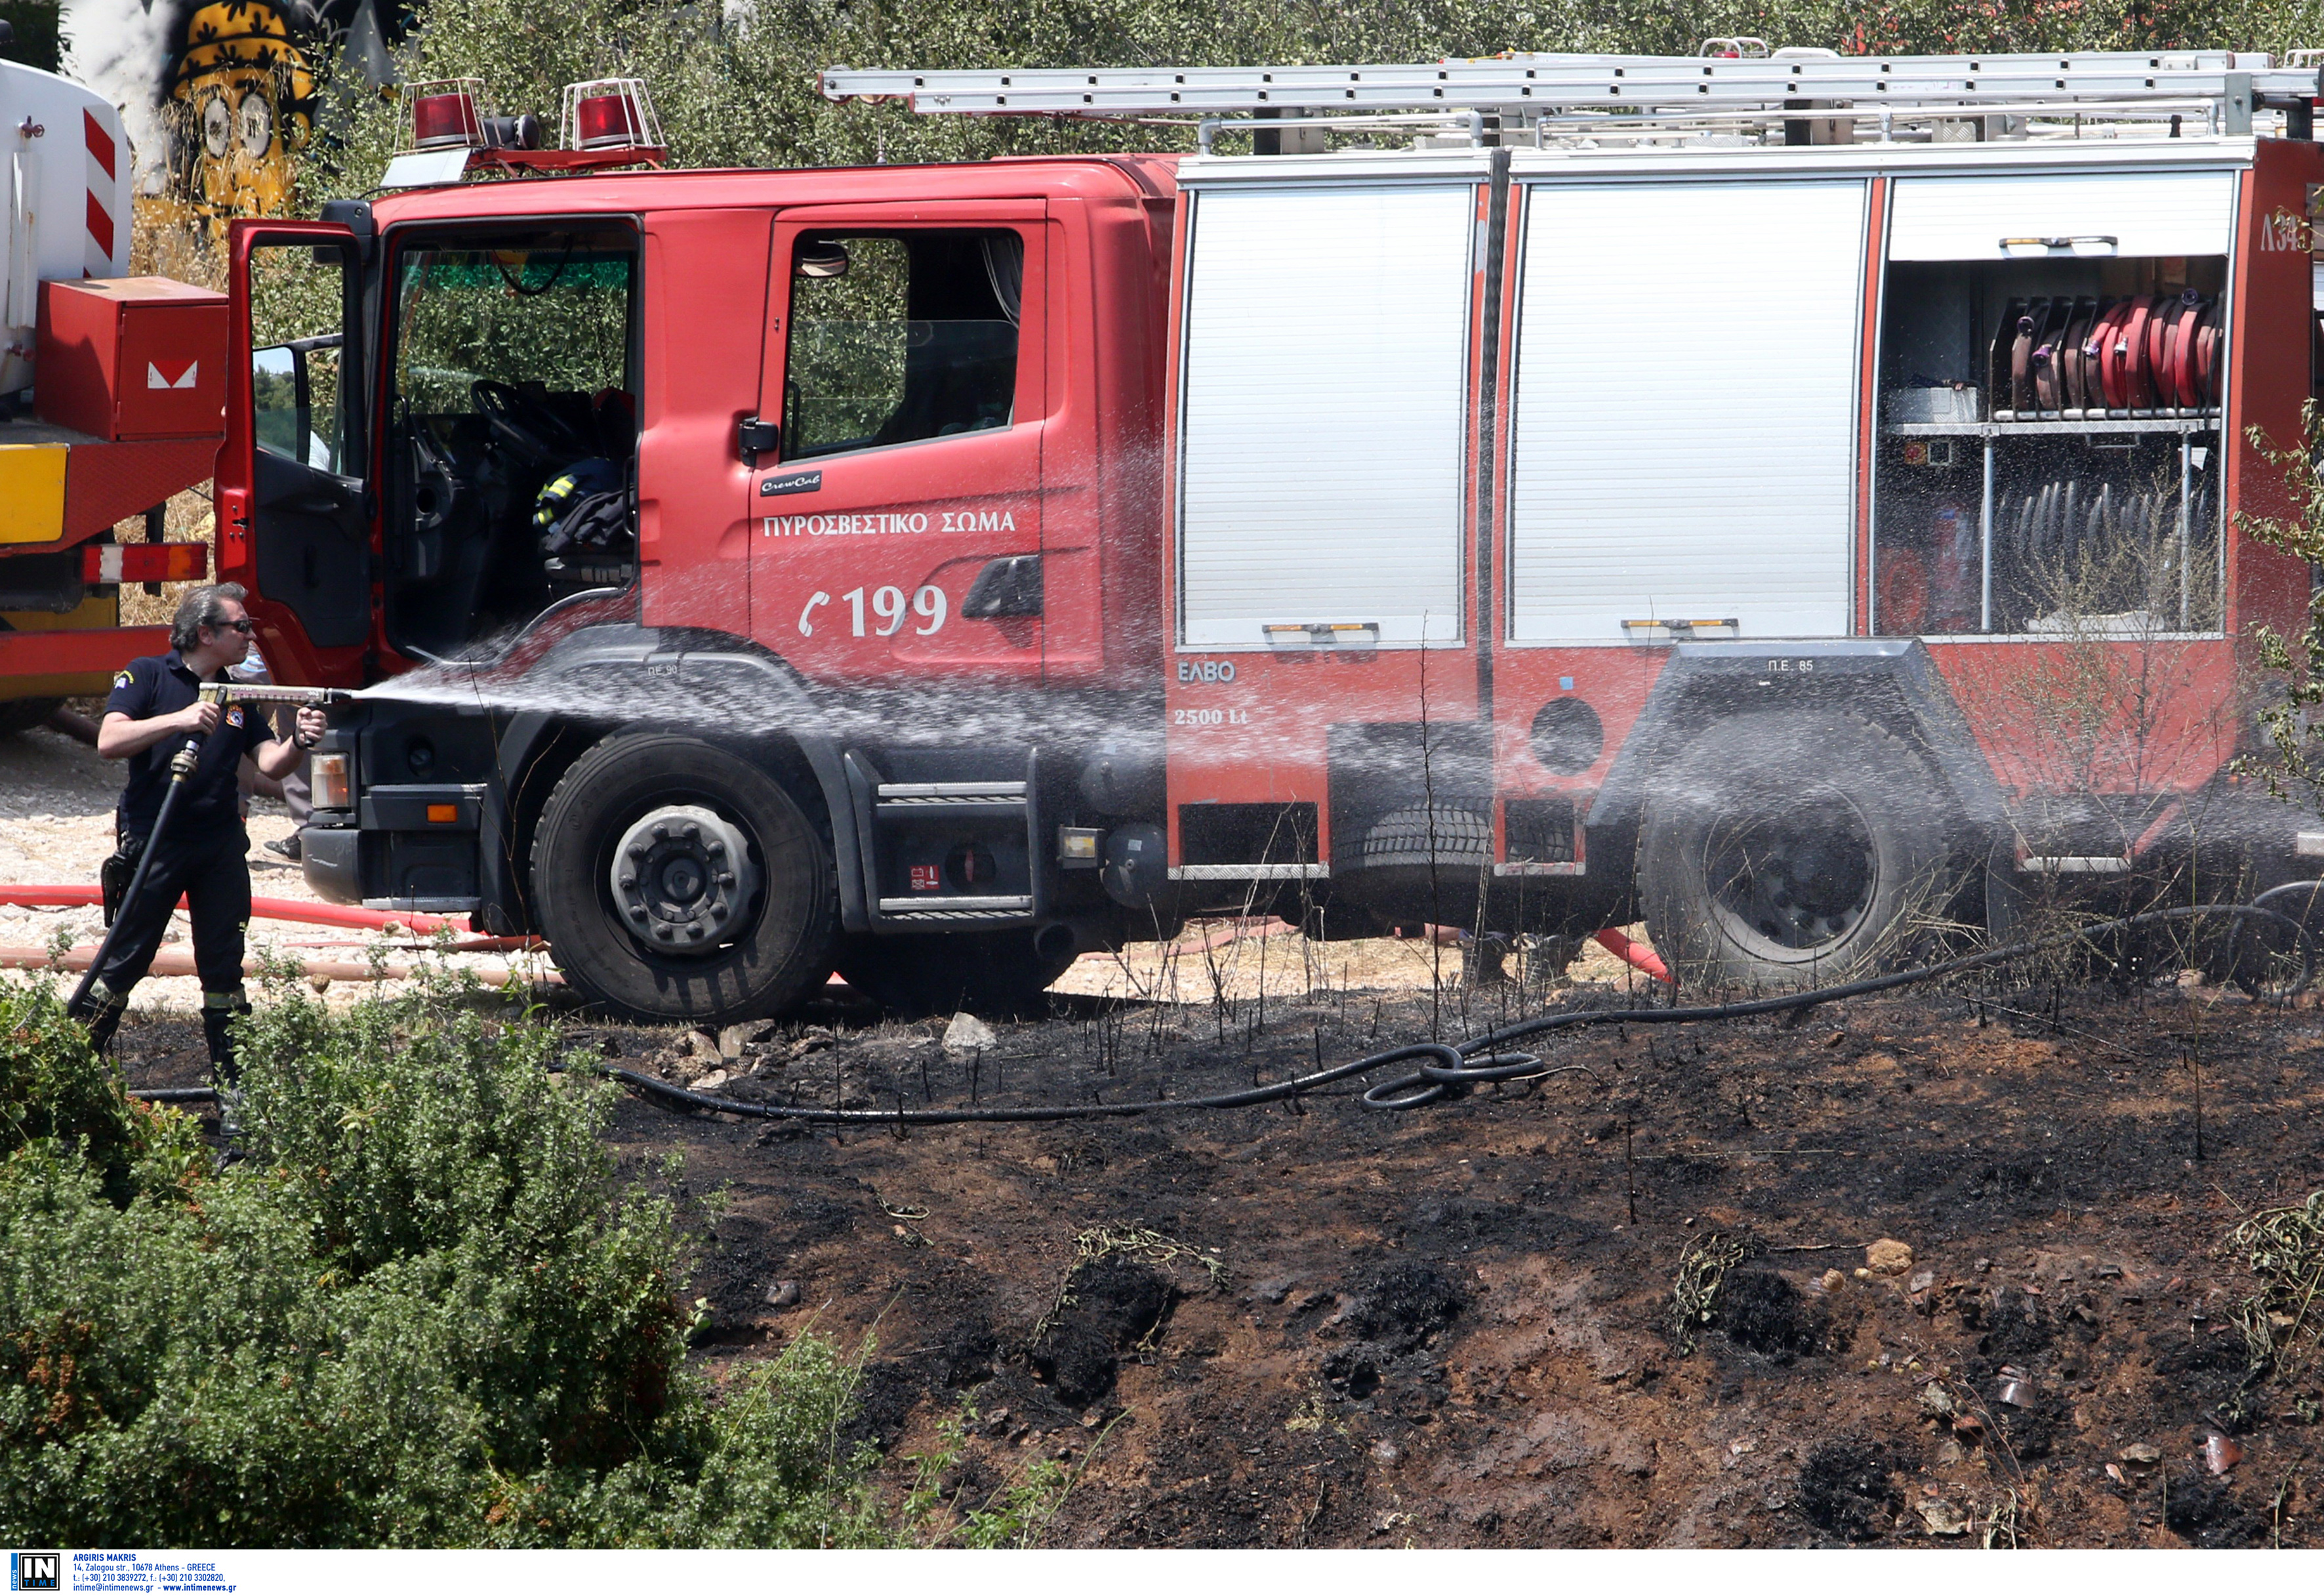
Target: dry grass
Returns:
[[189, 521], [166, 241], [1694, 1290], [2280, 1320], [1181, 971]]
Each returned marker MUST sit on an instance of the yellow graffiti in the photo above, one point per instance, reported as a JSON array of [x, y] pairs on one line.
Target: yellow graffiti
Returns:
[[242, 100]]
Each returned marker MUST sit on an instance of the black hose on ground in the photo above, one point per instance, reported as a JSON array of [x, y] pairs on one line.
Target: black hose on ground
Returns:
[[2301, 897], [1443, 1068]]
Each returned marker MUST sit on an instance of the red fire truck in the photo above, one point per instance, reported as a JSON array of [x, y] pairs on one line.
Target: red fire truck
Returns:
[[1792, 496]]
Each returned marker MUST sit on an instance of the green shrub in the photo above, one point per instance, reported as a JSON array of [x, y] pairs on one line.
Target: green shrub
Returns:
[[424, 1311], [52, 1088], [737, 84]]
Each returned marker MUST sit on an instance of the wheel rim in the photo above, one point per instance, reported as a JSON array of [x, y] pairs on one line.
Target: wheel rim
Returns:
[[683, 880], [1797, 879]]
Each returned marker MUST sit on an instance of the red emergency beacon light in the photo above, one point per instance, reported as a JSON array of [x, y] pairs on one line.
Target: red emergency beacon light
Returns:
[[607, 123], [444, 114], [609, 114]]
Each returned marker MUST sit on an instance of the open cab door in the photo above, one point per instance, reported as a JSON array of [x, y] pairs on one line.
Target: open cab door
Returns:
[[293, 502]]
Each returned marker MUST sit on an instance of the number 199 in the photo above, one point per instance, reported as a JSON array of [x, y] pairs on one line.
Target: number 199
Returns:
[[888, 606]]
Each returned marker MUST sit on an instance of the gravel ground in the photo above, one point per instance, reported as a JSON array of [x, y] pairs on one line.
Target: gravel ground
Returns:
[[56, 828]]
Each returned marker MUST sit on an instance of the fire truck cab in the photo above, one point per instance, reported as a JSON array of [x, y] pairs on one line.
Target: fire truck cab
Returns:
[[1799, 529]]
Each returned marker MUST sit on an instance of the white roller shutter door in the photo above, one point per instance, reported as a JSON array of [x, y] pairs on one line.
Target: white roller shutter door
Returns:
[[1684, 435], [1322, 397], [2174, 213]]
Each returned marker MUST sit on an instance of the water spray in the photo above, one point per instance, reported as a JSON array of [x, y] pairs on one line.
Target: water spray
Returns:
[[1444, 1069]]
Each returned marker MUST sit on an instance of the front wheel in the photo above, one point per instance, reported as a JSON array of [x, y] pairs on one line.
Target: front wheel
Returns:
[[1791, 850], [679, 882]]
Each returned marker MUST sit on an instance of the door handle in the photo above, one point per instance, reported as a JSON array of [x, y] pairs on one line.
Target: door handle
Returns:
[[1009, 585]]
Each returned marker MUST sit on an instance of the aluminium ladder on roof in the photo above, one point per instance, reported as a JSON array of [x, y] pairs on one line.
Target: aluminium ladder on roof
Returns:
[[2234, 81]]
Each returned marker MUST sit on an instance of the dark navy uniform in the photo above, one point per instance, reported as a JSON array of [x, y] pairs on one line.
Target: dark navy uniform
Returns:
[[202, 857]]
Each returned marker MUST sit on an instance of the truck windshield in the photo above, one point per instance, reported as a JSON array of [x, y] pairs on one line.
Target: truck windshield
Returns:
[[552, 314], [513, 416]]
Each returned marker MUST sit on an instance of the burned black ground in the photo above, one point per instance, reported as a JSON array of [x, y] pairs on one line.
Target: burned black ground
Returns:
[[1447, 1327]]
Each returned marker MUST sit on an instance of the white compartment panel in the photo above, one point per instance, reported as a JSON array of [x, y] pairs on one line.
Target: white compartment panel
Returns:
[[1322, 397], [1685, 432], [2172, 213]]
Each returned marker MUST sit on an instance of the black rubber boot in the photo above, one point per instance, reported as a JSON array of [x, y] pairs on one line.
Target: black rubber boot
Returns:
[[217, 1031], [219, 1011]]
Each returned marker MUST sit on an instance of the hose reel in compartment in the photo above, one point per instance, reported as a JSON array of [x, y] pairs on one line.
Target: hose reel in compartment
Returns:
[[2048, 457], [2088, 358]]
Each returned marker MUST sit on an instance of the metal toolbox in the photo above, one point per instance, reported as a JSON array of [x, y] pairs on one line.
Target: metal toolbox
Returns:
[[132, 358], [1934, 406]]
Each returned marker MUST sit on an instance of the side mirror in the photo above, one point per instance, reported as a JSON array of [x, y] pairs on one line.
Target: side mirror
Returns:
[[281, 400], [283, 378], [820, 257]]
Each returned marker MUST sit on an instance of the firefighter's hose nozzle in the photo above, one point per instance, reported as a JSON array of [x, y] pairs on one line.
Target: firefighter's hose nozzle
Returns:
[[238, 693]]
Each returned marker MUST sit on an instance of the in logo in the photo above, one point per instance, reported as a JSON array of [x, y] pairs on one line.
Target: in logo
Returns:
[[156, 377], [35, 1570]]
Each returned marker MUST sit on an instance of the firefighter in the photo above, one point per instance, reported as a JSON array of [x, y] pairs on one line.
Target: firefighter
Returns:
[[153, 710]]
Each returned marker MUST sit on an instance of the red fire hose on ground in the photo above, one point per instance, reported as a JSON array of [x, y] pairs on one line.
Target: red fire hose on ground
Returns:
[[1635, 955], [179, 961], [300, 911], [296, 909]]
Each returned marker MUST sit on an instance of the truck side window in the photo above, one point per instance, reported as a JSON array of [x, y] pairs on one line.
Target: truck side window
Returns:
[[898, 336], [294, 400]]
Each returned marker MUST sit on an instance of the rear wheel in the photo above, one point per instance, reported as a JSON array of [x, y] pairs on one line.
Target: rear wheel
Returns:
[[1000, 974], [1783, 850], [678, 881]]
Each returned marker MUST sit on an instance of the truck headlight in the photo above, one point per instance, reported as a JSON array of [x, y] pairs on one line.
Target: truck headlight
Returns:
[[330, 780]]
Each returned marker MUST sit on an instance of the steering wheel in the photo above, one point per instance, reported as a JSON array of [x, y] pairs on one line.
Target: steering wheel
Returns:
[[538, 434]]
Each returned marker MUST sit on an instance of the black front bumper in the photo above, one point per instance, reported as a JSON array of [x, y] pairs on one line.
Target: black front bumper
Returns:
[[332, 856]]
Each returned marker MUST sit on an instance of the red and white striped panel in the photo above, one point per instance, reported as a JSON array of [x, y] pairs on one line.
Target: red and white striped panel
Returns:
[[104, 187]]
